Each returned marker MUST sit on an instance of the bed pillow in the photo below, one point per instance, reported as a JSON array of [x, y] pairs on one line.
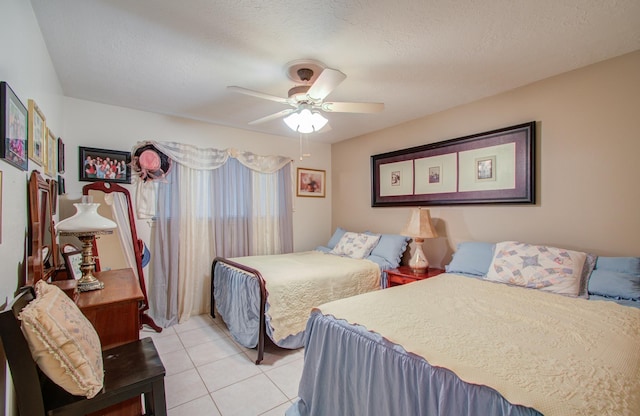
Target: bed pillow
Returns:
[[390, 247], [62, 341], [335, 238], [472, 258], [540, 267], [617, 278], [629, 265], [355, 245]]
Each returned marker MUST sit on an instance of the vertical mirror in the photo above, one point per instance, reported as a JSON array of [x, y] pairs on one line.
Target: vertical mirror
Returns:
[[42, 241], [122, 249]]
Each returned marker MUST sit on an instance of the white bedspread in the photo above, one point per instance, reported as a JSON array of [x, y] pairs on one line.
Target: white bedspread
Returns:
[[559, 355], [297, 282]]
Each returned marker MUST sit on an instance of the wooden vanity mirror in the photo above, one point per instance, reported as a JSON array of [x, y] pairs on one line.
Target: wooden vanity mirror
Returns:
[[122, 248], [41, 231]]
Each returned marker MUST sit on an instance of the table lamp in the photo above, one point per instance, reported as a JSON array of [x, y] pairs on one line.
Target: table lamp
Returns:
[[85, 224], [419, 228]]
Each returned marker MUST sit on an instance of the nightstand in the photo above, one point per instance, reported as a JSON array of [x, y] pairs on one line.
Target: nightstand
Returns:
[[403, 275]]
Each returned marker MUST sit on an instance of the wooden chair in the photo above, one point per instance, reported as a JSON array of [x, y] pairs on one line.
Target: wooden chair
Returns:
[[130, 370]]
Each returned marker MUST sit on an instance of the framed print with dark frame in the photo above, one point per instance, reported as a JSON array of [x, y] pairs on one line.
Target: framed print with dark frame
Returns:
[[60, 155], [72, 261], [14, 121], [37, 134], [311, 182], [104, 165], [486, 168]]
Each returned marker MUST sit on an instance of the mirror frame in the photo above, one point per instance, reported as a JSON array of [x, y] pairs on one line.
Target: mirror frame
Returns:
[[110, 187], [40, 212]]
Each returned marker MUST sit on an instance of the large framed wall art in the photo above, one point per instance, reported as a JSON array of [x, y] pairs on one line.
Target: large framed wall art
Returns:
[[486, 168]]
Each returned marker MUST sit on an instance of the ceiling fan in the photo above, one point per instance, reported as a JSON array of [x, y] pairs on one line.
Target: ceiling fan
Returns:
[[317, 82]]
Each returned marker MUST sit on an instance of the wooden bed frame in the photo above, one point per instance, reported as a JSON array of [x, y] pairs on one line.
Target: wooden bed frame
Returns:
[[263, 299]]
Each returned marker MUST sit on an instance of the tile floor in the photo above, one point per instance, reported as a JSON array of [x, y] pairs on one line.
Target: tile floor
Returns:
[[209, 374]]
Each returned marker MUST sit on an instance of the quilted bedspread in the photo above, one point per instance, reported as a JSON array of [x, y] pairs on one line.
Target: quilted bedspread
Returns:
[[556, 354], [297, 282]]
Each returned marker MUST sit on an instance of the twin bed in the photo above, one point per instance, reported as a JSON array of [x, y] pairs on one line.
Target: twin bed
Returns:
[[271, 296], [510, 329]]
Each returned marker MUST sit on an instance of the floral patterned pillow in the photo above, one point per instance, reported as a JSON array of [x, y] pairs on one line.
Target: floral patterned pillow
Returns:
[[355, 245], [540, 267], [63, 342]]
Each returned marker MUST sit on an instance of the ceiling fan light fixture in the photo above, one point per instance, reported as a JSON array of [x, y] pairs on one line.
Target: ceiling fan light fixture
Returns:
[[305, 121]]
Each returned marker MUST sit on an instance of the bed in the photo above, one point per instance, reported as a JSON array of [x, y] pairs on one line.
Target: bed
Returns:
[[271, 296], [468, 343]]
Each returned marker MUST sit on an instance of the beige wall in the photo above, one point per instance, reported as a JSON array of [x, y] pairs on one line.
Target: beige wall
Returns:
[[588, 146]]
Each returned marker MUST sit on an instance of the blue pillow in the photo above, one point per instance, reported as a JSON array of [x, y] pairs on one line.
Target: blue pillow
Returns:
[[626, 302], [337, 235], [390, 247], [323, 249], [614, 284], [629, 265], [471, 258], [381, 261]]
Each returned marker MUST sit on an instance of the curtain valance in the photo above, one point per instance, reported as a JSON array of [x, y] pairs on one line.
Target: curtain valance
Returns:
[[209, 159], [197, 158]]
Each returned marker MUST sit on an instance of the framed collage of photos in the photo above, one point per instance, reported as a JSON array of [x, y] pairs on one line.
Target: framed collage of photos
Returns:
[[486, 168]]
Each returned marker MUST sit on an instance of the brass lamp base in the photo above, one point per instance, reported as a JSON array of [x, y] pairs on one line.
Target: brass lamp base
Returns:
[[88, 281], [85, 285]]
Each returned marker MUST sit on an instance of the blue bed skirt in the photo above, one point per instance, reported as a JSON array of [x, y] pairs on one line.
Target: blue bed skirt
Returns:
[[237, 300], [350, 371]]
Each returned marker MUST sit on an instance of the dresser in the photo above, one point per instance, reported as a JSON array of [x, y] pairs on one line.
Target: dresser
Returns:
[[114, 313]]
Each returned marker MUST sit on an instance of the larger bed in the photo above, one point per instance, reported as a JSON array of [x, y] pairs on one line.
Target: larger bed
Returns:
[[458, 345], [271, 296]]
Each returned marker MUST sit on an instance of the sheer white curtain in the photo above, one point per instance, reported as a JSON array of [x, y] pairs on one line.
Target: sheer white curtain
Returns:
[[229, 210]]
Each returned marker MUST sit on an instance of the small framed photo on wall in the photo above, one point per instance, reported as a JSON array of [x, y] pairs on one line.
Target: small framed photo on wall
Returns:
[[311, 182], [104, 165]]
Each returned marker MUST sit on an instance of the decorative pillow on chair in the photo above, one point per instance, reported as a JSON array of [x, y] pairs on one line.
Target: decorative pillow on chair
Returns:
[[540, 267], [355, 245], [63, 342]]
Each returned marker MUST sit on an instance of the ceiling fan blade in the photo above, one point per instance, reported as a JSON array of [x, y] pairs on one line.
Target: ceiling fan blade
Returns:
[[270, 117], [258, 94], [326, 82], [340, 107]]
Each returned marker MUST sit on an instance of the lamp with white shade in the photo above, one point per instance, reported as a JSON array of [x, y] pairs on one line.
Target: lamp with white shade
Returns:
[[419, 228], [85, 224]]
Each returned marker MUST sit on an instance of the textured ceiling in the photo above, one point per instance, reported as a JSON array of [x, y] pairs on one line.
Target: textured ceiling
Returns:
[[418, 57]]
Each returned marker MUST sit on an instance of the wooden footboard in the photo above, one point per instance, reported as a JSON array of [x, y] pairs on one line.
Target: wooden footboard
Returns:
[[263, 298]]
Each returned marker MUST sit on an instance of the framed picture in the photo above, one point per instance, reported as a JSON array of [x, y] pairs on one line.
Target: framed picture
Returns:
[[311, 182], [104, 165], [60, 156], [13, 127], [0, 206], [51, 162], [72, 261], [37, 134], [486, 168], [61, 188]]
